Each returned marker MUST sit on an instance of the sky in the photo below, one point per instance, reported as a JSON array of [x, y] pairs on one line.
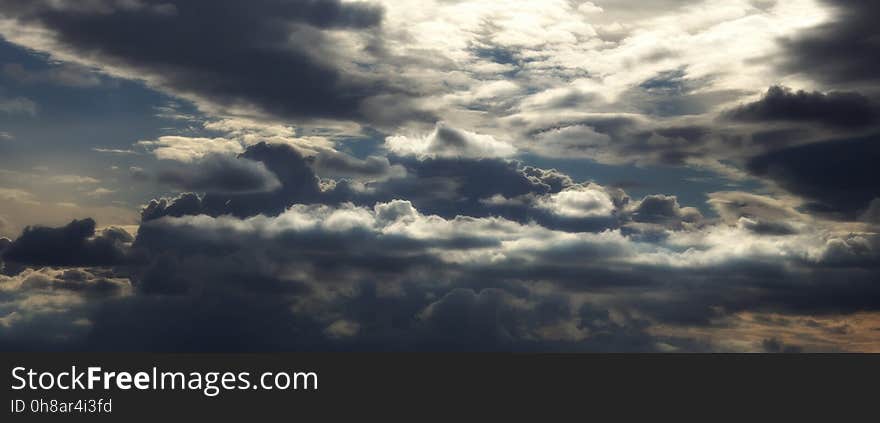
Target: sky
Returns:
[[440, 175]]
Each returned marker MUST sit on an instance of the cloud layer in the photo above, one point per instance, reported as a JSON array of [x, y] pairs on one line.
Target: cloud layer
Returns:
[[684, 175]]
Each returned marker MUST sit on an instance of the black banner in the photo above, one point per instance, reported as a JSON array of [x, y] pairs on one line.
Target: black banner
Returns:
[[221, 387]]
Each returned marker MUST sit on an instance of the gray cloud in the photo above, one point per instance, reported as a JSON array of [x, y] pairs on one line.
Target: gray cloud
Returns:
[[285, 65], [837, 109], [221, 174], [73, 245], [333, 164], [390, 277], [841, 51], [838, 176]]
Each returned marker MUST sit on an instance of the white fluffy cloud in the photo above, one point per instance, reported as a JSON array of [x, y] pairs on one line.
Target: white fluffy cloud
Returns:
[[579, 201], [446, 141]]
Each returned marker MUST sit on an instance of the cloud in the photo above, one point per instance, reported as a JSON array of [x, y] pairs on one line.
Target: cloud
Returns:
[[293, 60], [837, 176], [72, 245], [837, 109], [618, 139], [113, 150], [44, 308], [506, 258], [17, 195], [733, 205], [221, 174], [73, 179], [572, 141], [100, 192], [276, 176], [840, 51], [21, 208], [182, 205], [444, 186], [872, 214], [330, 163], [665, 211], [446, 141], [388, 276], [578, 202], [187, 149]]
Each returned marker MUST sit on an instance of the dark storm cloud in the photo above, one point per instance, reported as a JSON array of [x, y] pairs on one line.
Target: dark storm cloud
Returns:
[[836, 109], [843, 51], [839, 176], [72, 245], [270, 54], [219, 173]]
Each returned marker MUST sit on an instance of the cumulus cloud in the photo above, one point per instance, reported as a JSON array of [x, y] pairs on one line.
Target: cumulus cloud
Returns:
[[582, 201]]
